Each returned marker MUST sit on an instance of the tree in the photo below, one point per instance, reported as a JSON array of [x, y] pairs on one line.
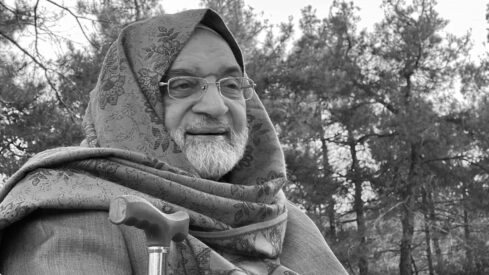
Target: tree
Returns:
[[324, 110], [32, 118], [241, 20], [44, 98], [410, 67], [380, 153]]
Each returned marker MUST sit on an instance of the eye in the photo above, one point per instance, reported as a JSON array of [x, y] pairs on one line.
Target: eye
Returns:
[[231, 83], [183, 84]]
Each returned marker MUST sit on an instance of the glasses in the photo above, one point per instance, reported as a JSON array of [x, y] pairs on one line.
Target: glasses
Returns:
[[191, 87]]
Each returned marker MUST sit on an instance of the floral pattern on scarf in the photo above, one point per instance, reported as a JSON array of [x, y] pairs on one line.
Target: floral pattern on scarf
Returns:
[[236, 226]]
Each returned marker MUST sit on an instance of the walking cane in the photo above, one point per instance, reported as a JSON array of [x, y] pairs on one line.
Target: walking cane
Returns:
[[160, 228]]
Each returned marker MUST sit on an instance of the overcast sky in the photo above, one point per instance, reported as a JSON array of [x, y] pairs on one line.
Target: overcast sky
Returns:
[[468, 15], [463, 15]]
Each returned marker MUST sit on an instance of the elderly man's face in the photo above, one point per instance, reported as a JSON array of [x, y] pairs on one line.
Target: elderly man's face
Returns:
[[212, 131]]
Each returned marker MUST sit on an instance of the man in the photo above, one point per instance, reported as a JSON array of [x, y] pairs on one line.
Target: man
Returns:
[[175, 120]]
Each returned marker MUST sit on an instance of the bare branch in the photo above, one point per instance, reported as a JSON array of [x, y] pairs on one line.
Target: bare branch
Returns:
[[77, 21], [24, 51], [348, 221], [35, 27], [460, 157], [7, 8], [46, 70], [485, 169]]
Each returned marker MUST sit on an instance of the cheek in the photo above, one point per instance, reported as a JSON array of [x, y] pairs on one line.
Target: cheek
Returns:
[[174, 114], [238, 113]]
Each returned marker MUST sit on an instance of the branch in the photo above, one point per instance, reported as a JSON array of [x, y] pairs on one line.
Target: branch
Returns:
[[7, 8], [46, 69], [381, 216], [460, 157], [24, 50], [444, 159], [58, 95], [77, 21], [376, 97], [35, 27], [478, 166], [363, 138], [379, 252], [348, 221]]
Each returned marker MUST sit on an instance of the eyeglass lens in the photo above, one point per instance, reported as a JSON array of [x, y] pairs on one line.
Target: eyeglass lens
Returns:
[[235, 88]]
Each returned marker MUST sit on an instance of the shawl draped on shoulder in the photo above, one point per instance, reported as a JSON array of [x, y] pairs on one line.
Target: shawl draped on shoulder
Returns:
[[237, 225]]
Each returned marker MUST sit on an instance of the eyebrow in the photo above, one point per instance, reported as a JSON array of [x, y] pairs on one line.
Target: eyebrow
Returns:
[[233, 70]]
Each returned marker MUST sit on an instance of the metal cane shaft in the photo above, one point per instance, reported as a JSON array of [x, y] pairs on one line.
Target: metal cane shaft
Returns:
[[158, 260]]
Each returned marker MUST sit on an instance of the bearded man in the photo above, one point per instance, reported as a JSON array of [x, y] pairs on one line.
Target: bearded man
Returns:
[[173, 119]]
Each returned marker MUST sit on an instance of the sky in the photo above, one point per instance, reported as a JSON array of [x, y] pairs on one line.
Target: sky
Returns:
[[469, 16], [463, 16]]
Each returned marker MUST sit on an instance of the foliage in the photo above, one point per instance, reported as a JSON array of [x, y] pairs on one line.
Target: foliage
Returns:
[[384, 131]]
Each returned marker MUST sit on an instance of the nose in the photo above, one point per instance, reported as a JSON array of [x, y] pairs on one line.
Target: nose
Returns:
[[211, 103]]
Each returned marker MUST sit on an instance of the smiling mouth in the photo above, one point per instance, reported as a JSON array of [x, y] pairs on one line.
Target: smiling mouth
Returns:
[[220, 131]]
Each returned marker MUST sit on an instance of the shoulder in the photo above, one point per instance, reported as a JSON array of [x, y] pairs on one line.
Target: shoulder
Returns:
[[305, 249]]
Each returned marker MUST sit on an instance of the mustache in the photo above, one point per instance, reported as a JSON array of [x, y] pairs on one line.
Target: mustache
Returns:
[[207, 122]]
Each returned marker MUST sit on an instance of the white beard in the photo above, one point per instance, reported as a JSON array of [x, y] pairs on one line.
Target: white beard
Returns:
[[212, 156]]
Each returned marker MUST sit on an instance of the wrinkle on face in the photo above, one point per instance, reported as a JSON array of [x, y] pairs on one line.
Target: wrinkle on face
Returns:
[[212, 131]]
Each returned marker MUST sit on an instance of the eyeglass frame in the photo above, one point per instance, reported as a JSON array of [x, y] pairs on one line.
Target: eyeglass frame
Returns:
[[205, 87]]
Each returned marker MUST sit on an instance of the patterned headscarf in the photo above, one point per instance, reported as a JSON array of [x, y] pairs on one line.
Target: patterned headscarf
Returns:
[[237, 224], [126, 109]]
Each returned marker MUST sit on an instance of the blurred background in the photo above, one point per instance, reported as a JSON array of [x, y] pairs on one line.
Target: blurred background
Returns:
[[382, 110]]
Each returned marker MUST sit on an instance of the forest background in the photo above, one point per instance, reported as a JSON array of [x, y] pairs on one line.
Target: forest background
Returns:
[[385, 131]]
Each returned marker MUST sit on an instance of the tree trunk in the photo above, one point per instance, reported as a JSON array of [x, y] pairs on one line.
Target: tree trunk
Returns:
[[427, 232], [435, 234], [330, 200], [407, 222], [362, 245], [407, 215], [413, 264], [429, 256], [358, 207], [332, 218], [137, 9], [468, 243], [439, 257]]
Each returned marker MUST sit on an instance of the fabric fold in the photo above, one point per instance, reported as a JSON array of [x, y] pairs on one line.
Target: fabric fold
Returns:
[[239, 222], [242, 223]]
